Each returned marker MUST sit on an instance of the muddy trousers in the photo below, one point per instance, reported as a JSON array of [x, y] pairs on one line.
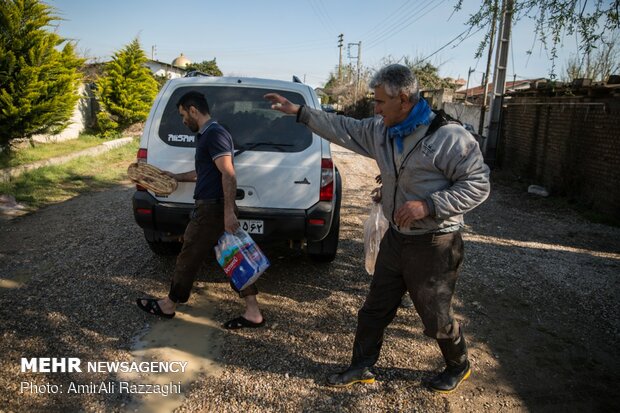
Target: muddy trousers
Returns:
[[205, 227], [424, 265]]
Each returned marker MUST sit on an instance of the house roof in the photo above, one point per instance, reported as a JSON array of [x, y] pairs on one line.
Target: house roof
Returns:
[[519, 84]]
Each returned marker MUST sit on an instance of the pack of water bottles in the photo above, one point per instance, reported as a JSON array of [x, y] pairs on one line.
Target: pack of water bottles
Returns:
[[240, 258]]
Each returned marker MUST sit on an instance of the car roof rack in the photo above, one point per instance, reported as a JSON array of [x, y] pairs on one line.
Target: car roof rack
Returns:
[[296, 79], [195, 73]]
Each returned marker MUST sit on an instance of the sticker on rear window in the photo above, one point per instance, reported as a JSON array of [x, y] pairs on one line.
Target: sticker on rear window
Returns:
[[181, 138]]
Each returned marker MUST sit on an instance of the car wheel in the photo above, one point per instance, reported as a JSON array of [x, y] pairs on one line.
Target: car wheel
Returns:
[[161, 246], [165, 248]]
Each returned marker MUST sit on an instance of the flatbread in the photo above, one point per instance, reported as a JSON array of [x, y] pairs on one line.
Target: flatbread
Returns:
[[151, 178]]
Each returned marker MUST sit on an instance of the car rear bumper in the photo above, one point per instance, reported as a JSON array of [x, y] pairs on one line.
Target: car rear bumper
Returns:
[[170, 219]]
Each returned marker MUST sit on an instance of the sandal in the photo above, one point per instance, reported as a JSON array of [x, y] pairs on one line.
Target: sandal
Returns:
[[152, 307], [242, 322]]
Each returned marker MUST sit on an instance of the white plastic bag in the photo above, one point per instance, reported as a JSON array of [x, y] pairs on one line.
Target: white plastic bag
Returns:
[[240, 258], [374, 228]]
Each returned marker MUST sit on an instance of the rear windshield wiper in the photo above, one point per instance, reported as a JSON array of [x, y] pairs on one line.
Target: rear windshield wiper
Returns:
[[257, 144]]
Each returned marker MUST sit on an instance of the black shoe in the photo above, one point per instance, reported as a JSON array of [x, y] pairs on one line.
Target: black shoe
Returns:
[[406, 301], [351, 376], [448, 380]]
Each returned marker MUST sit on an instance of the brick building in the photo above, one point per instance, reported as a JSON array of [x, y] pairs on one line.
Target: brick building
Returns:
[[567, 141]]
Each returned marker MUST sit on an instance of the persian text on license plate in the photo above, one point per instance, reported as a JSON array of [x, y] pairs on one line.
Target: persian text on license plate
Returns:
[[252, 226]]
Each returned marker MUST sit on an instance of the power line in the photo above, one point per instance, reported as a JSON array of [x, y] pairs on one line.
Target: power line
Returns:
[[318, 12], [325, 10], [406, 16], [380, 25], [401, 24], [452, 41]]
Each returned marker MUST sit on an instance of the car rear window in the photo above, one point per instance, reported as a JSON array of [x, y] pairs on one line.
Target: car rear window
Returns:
[[245, 114]]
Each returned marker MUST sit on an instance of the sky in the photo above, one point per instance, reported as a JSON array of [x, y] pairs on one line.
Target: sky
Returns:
[[278, 39]]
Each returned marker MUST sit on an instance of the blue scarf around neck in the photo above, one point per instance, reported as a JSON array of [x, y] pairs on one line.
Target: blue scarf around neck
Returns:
[[419, 115]]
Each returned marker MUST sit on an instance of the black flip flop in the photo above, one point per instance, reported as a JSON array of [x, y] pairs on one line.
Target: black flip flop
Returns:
[[152, 307], [242, 322]]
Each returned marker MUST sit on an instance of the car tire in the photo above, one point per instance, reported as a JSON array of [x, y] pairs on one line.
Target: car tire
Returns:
[[328, 246], [161, 246], [165, 248]]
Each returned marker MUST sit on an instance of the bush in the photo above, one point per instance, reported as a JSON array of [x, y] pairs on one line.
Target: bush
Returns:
[[38, 82], [126, 90]]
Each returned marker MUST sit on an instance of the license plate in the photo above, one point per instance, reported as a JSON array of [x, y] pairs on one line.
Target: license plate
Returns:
[[252, 226]]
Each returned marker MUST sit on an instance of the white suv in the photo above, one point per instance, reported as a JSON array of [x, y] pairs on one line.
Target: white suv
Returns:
[[288, 186]]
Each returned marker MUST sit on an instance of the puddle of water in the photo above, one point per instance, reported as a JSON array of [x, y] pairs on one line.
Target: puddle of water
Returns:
[[4, 283], [191, 336], [17, 280]]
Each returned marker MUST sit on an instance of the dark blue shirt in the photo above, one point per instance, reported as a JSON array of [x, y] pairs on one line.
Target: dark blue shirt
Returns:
[[213, 141]]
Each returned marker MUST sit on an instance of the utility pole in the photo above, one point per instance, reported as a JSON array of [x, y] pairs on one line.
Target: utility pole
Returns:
[[153, 48], [358, 58], [340, 57], [499, 81], [359, 64], [485, 81], [469, 72]]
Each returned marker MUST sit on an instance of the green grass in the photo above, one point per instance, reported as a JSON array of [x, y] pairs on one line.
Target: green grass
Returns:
[[27, 154], [57, 183]]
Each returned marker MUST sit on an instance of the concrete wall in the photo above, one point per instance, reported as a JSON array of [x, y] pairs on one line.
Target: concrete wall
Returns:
[[81, 118], [168, 71], [467, 114], [570, 145]]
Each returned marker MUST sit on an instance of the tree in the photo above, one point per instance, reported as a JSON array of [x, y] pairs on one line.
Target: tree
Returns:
[[426, 73], [206, 66], [38, 82], [126, 90], [598, 65], [349, 92], [357, 103], [555, 19]]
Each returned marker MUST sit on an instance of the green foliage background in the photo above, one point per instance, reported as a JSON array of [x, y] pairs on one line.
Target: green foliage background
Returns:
[[207, 66], [38, 82], [126, 90]]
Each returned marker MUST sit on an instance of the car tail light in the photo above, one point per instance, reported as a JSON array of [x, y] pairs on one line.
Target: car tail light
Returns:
[[318, 222], [144, 211], [327, 180], [141, 157]]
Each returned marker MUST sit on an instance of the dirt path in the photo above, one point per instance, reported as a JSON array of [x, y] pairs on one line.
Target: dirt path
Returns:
[[538, 297]]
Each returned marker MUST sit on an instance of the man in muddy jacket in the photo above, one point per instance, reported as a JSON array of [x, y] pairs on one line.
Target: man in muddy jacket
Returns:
[[433, 173]]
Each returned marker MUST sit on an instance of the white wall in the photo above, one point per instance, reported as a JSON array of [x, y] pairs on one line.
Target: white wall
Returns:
[[77, 122], [467, 114]]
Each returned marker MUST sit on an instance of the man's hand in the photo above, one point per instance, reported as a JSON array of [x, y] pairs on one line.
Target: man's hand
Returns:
[[182, 177], [282, 104], [170, 174], [231, 223], [376, 195], [225, 165], [409, 212]]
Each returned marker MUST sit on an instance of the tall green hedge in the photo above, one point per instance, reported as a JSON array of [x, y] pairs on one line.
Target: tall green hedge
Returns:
[[126, 90], [38, 79]]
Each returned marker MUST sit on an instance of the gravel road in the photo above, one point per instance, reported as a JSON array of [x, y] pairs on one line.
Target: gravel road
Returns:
[[538, 298]]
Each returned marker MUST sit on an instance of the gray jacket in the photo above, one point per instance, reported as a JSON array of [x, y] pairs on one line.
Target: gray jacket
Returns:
[[445, 168]]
